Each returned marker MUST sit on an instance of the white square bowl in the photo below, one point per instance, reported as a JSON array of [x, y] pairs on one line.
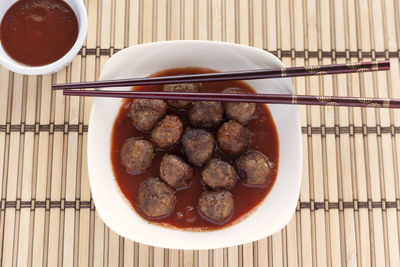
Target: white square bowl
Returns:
[[271, 215]]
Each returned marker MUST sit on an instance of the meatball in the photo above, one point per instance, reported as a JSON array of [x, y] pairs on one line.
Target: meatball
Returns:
[[253, 168], [155, 199], [233, 138], [145, 113], [175, 171], [167, 132], [218, 174], [137, 154], [206, 113], [239, 111], [217, 206], [181, 87], [198, 145]]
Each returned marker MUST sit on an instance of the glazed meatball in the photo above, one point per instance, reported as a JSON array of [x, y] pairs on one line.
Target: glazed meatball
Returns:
[[175, 171], [137, 154], [181, 87], [206, 113], [198, 146], [167, 132], [239, 111], [217, 206], [155, 199], [253, 168], [145, 113], [233, 138], [218, 174]]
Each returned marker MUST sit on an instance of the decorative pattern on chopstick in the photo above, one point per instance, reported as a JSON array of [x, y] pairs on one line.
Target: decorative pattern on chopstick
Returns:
[[236, 75], [251, 98]]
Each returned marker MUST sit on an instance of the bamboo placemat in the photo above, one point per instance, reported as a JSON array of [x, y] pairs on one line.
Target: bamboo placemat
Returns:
[[349, 208]]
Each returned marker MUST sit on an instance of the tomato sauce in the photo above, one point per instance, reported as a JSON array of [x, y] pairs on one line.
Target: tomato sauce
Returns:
[[38, 32], [264, 138]]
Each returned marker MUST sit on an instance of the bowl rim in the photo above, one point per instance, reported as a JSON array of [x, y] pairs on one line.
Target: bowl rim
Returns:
[[271, 231], [15, 66]]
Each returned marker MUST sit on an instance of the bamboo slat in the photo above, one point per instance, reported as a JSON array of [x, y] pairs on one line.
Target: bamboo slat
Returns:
[[148, 21], [99, 242], [202, 28], [204, 258]]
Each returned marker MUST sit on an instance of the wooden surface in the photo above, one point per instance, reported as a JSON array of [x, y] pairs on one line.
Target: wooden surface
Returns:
[[349, 208]]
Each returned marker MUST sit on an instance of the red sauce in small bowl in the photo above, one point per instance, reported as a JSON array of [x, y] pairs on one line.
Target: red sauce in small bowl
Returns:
[[38, 32]]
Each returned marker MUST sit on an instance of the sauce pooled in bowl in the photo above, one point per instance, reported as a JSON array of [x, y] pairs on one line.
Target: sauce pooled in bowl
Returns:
[[38, 32], [199, 200]]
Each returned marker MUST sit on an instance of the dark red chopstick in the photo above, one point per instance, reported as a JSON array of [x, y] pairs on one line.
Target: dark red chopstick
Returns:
[[236, 75], [251, 98]]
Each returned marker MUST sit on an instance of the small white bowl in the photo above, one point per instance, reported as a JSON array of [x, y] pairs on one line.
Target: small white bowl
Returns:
[[273, 213], [80, 11]]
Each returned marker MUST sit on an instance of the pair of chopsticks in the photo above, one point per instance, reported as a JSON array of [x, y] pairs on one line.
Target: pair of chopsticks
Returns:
[[70, 88]]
